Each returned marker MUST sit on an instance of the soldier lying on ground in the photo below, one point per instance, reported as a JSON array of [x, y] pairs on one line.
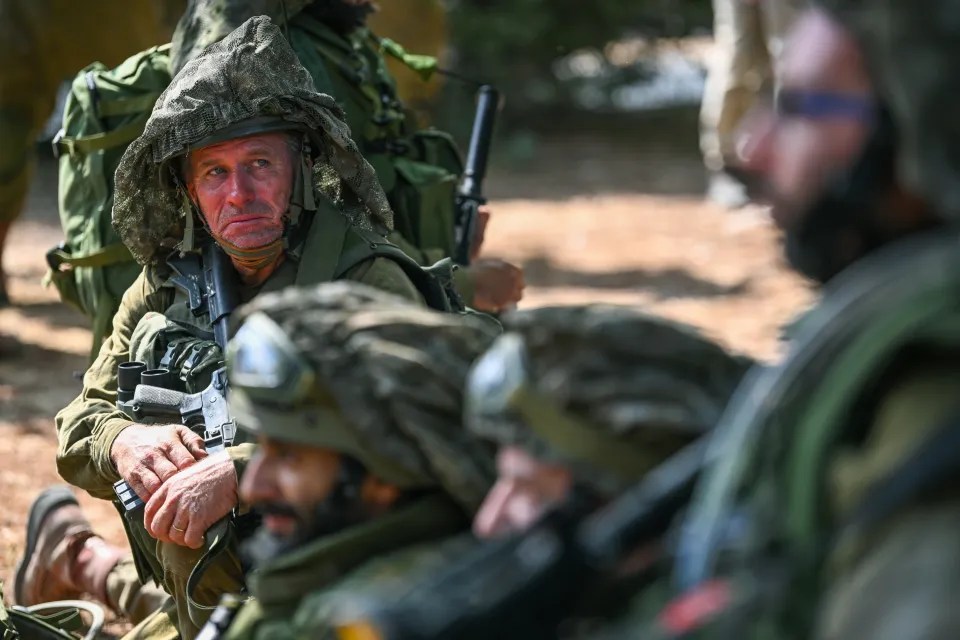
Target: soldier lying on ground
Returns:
[[582, 402]]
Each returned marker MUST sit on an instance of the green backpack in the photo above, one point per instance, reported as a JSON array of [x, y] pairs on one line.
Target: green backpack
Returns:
[[106, 110]]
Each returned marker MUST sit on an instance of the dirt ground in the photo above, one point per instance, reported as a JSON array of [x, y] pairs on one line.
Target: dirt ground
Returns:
[[615, 219]]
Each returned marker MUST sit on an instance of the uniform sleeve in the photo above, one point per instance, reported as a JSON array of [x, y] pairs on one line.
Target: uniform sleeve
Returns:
[[899, 581], [386, 275], [87, 427]]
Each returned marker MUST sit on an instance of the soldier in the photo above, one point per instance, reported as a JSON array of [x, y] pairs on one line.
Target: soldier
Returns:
[[582, 402], [417, 169], [363, 469], [836, 469], [241, 148], [599, 396], [41, 43]]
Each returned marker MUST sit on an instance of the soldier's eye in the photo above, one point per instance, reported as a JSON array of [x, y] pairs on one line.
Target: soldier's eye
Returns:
[[216, 171], [261, 163]]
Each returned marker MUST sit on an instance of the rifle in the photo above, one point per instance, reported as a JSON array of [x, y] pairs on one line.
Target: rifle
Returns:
[[146, 396], [470, 192], [525, 586]]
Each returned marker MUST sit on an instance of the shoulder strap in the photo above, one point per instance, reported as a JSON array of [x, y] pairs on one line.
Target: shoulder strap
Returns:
[[373, 245]]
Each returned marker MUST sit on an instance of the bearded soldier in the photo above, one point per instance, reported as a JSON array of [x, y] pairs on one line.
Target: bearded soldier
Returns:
[[836, 469], [239, 149], [363, 469]]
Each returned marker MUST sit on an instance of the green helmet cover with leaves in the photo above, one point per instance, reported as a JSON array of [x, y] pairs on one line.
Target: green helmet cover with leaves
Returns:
[[347, 367], [251, 77]]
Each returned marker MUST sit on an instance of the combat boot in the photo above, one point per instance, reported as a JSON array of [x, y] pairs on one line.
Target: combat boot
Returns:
[[63, 557]]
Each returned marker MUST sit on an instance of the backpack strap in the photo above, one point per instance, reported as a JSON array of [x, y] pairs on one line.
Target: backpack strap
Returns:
[[373, 245], [113, 253], [85, 145]]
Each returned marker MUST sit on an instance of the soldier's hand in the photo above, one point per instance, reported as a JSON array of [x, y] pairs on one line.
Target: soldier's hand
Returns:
[[192, 500], [479, 232], [147, 456], [497, 284]]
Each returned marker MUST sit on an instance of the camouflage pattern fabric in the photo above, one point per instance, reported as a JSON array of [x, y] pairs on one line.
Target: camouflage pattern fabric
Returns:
[[913, 54], [648, 383], [258, 69], [207, 21], [392, 375]]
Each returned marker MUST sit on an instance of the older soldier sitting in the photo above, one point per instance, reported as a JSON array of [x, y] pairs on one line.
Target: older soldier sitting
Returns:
[[240, 149]]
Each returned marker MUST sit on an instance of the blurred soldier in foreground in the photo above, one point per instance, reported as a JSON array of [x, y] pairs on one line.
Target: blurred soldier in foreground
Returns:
[[748, 42], [830, 507], [273, 178], [363, 468], [42, 42], [582, 402]]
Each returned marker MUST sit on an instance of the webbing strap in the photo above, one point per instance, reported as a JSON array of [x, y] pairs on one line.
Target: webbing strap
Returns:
[[85, 145], [113, 253]]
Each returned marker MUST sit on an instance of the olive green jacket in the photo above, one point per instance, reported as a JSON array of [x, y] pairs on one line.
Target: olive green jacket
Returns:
[[297, 595], [87, 427], [418, 170]]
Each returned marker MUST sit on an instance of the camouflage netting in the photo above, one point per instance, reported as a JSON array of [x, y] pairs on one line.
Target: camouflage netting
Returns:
[[207, 21], [396, 375], [913, 53], [647, 383], [251, 73]]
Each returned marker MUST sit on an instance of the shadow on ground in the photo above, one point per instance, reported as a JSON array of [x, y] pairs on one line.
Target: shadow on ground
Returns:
[[57, 314], [666, 283]]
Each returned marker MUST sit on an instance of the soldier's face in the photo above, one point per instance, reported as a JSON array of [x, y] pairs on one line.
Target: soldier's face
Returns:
[[242, 187], [817, 129], [286, 482], [525, 490]]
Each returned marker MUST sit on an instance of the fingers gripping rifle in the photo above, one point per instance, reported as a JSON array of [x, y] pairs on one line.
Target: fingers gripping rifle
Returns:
[[470, 192], [211, 285]]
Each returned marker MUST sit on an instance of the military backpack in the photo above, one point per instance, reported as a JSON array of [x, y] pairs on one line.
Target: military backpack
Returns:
[[106, 110]]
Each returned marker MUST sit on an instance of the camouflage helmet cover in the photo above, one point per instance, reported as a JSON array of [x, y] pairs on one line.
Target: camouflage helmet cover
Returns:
[[207, 21], [251, 74], [913, 53], [643, 384], [387, 385]]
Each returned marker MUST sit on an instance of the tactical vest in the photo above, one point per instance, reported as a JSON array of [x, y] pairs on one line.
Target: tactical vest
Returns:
[[418, 170], [760, 518]]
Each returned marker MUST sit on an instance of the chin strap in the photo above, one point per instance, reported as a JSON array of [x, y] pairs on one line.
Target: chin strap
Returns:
[[253, 259]]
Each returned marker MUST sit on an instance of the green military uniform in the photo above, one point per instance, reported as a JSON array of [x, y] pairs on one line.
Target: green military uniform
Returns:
[[418, 169], [837, 468], [335, 217], [387, 384]]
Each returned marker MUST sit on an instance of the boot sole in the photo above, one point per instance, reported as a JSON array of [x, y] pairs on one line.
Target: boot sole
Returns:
[[46, 503]]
